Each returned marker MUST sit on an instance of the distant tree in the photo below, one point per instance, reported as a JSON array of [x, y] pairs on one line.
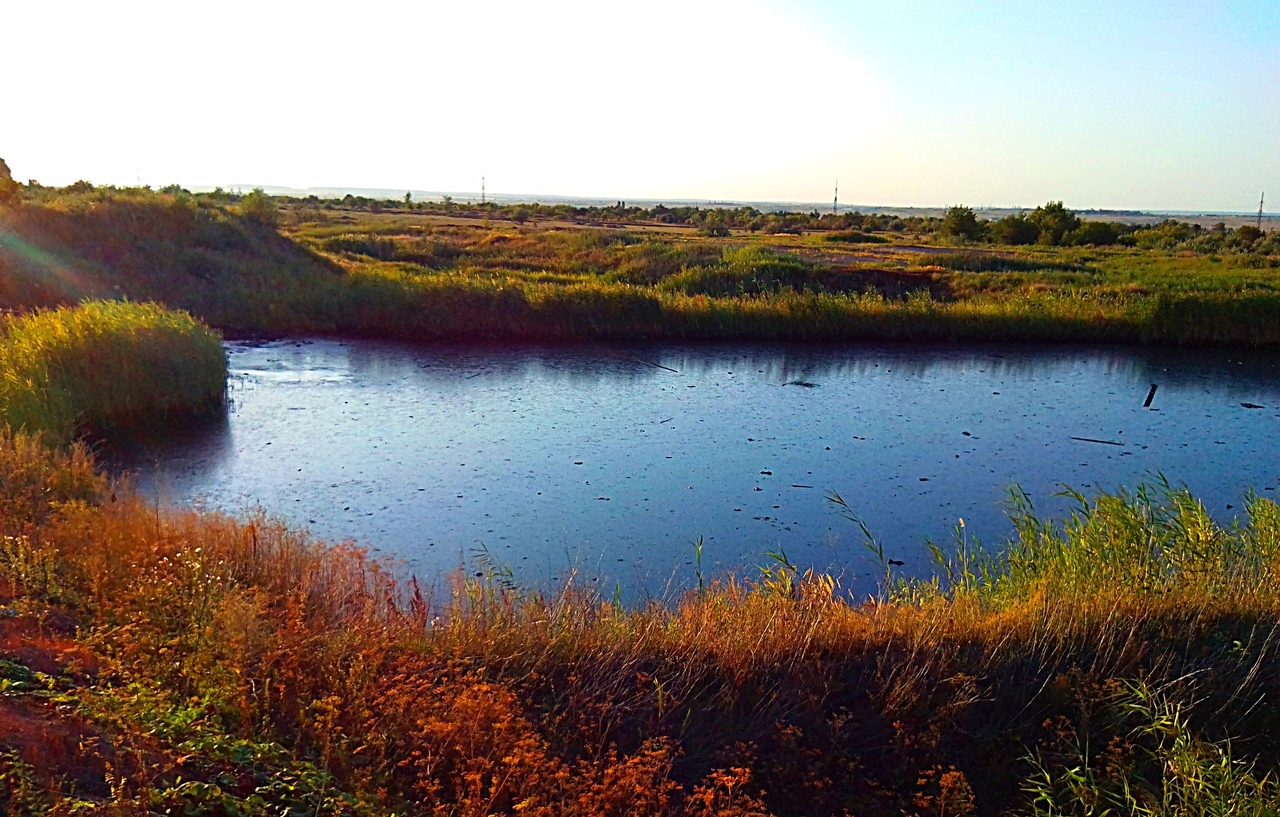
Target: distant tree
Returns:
[[1016, 229], [962, 222], [408, 199], [258, 206], [1167, 235], [1247, 234], [8, 187], [1098, 233], [1054, 221]]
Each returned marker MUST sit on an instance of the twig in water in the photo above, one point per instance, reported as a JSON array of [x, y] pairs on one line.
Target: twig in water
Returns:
[[645, 362], [1102, 442]]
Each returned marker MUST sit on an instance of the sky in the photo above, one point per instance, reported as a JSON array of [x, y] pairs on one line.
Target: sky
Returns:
[[1139, 104]]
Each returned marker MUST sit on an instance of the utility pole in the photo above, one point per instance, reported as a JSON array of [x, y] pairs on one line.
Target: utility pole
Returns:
[[835, 201]]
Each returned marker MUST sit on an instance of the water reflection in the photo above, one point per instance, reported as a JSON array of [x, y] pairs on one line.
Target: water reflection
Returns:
[[612, 459]]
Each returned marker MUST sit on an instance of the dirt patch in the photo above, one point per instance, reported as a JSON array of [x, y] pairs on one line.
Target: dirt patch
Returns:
[[44, 643], [50, 739]]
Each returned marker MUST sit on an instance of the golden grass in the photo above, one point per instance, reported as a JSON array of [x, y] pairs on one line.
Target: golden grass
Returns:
[[768, 694]]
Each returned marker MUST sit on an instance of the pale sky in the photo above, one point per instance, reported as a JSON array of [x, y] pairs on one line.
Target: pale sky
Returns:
[[1143, 104]]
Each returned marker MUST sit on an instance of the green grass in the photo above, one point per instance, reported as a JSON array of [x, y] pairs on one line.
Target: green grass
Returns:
[[106, 363]]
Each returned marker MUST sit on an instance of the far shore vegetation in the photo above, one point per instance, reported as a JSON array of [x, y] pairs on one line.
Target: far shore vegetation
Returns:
[[165, 661], [253, 264]]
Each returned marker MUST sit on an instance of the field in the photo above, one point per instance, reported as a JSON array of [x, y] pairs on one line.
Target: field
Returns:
[[165, 661]]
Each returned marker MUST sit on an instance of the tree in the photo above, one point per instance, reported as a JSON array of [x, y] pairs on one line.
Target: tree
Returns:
[[1098, 233], [962, 222], [1054, 221], [257, 206], [8, 187], [1016, 229], [1247, 234]]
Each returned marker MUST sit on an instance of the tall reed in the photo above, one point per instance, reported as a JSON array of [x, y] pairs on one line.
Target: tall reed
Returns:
[[106, 363]]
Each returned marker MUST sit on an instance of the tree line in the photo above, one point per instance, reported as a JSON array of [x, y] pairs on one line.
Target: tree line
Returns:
[[1051, 224]]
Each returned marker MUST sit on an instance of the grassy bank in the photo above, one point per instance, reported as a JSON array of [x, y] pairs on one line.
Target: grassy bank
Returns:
[[188, 663], [421, 276], [106, 364], [165, 661]]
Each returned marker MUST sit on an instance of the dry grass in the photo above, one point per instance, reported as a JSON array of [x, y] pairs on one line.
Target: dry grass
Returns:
[[253, 652]]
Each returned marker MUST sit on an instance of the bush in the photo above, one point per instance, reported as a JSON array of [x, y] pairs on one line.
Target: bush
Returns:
[[854, 237], [1098, 233], [961, 222], [1015, 230], [1054, 221], [742, 271], [1247, 234], [8, 187], [107, 363], [994, 262], [258, 207], [1164, 236]]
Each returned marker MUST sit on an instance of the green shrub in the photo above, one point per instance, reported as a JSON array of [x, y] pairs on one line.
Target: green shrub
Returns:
[[258, 206], [741, 271], [1054, 221], [976, 261], [855, 237], [1098, 233], [962, 223], [8, 187], [1015, 230]]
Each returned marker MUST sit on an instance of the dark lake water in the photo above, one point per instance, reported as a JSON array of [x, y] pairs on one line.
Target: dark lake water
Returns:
[[611, 460]]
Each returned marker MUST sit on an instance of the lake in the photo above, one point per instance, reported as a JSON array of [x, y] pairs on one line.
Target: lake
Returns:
[[610, 461]]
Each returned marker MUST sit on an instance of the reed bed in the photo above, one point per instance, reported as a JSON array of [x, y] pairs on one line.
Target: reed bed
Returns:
[[106, 363]]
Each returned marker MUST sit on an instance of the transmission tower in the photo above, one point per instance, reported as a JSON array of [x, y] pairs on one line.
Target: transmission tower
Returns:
[[1261, 202]]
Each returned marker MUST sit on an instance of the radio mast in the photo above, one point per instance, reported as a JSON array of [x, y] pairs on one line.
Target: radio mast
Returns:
[[482, 201], [835, 200], [1261, 202]]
